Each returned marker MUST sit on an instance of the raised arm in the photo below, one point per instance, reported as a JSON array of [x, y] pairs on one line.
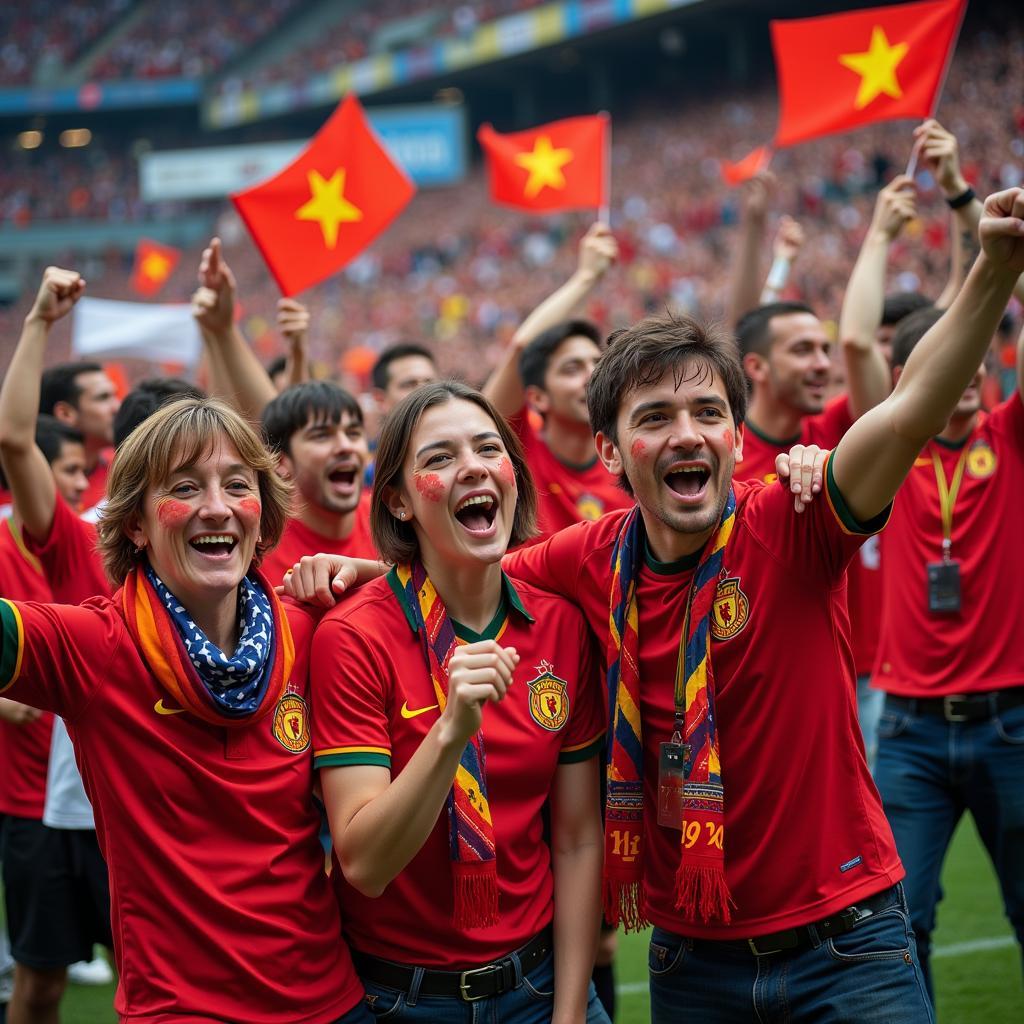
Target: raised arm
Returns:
[[598, 251], [789, 240], [235, 372], [745, 287], [293, 323], [875, 455], [867, 373], [957, 265], [28, 473], [1020, 363]]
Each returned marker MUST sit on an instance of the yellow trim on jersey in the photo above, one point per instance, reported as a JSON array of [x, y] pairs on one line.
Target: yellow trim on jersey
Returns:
[[326, 751], [583, 746], [19, 543], [847, 521], [11, 628]]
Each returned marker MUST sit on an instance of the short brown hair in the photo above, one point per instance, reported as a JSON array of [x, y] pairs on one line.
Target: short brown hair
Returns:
[[396, 541], [642, 354], [174, 436]]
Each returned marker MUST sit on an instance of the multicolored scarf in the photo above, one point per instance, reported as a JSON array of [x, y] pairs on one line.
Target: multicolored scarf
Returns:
[[470, 831], [201, 679], [701, 889]]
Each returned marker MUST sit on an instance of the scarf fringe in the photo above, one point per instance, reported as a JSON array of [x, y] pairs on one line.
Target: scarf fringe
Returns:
[[623, 904], [702, 892], [476, 896]]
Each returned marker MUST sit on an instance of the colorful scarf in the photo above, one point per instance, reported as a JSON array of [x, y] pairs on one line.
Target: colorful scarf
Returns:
[[701, 889], [470, 831], [201, 679]]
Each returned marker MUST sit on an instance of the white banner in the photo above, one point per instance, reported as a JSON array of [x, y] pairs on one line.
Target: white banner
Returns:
[[159, 333]]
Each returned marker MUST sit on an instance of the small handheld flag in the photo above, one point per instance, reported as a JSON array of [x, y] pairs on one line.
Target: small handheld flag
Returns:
[[746, 168], [556, 166], [327, 205], [154, 264]]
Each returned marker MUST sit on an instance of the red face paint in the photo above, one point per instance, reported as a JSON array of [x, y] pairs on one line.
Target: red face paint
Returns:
[[250, 510], [431, 486], [173, 514], [506, 472], [638, 449], [728, 438]]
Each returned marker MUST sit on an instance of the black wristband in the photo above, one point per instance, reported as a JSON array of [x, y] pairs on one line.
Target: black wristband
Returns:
[[965, 197]]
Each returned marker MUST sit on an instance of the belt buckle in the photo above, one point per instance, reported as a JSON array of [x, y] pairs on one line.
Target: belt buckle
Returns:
[[464, 984], [947, 708], [752, 943]]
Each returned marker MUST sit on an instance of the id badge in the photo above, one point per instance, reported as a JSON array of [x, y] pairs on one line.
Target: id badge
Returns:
[[944, 587], [671, 773]]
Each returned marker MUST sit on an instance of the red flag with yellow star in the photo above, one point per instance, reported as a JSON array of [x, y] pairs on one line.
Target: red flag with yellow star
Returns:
[[154, 264], [841, 71], [329, 204], [558, 166]]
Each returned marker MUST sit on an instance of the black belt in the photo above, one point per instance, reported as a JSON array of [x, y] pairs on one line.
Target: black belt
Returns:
[[476, 983], [960, 707], [794, 938]]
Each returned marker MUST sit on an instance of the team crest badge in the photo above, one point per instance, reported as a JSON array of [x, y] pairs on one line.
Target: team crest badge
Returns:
[[730, 611], [589, 507], [981, 460], [291, 723], [549, 702]]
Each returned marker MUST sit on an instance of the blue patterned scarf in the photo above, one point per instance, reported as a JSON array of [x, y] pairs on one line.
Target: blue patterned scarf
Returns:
[[235, 684]]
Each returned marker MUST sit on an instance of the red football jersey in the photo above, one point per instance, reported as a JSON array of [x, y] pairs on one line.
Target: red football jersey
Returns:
[[26, 748], [922, 654], [97, 489], [566, 494], [374, 703], [298, 540], [69, 557], [220, 906], [805, 835]]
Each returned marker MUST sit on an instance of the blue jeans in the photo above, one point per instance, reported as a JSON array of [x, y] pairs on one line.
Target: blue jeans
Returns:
[[929, 772], [357, 1015], [867, 976], [529, 1003], [869, 709]]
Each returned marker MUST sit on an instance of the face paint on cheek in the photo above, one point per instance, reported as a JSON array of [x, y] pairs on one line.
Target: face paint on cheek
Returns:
[[250, 510], [506, 472], [638, 449], [727, 437], [172, 514], [430, 486]]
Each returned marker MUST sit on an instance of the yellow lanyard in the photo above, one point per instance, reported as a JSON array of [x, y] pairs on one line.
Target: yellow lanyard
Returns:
[[947, 495]]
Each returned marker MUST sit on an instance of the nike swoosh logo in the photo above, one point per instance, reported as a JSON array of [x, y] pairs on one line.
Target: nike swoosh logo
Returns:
[[406, 713], [160, 709]]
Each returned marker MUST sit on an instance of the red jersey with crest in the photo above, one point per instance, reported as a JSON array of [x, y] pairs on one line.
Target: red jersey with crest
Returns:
[[69, 558], [298, 540], [220, 907], [826, 430], [924, 654], [566, 494], [374, 702], [25, 749], [805, 835], [97, 489]]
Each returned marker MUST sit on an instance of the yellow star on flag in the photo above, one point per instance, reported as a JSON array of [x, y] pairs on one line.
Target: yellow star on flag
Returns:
[[545, 165], [328, 206], [155, 267], [877, 68]]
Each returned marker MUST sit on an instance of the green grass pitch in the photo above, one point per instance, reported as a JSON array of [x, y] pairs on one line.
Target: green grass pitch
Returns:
[[977, 981]]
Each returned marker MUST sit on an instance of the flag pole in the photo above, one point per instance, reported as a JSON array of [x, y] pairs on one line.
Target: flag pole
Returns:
[[604, 212], [912, 162]]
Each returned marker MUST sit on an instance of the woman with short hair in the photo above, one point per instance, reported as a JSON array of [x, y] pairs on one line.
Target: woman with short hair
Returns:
[[452, 707], [186, 698]]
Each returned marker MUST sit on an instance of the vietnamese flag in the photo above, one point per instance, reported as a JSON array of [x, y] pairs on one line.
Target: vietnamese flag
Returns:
[[328, 205], [558, 166], [154, 264], [746, 168], [841, 71]]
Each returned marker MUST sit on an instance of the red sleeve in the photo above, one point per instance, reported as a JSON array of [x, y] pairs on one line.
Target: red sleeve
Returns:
[[69, 558], [52, 655], [350, 718], [555, 564], [821, 541], [584, 735]]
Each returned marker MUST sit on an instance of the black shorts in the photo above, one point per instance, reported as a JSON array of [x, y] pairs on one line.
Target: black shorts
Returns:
[[56, 892]]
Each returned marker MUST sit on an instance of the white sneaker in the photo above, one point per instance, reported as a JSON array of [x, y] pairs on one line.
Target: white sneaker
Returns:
[[91, 972]]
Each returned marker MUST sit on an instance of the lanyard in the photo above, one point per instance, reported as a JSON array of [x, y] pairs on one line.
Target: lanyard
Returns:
[[947, 496]]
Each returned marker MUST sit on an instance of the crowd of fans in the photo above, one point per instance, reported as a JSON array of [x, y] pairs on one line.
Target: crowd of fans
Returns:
[[460, 275], [43, 35]]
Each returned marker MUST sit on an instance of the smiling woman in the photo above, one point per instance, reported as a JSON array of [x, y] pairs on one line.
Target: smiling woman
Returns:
[[423, 670], [186, 698]]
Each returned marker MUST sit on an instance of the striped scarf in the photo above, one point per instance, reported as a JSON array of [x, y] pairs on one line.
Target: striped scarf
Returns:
[[160, 634], [701, 889], [470, 831]]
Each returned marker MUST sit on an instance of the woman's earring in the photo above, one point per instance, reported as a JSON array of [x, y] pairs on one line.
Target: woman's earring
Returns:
[[401, 515]]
